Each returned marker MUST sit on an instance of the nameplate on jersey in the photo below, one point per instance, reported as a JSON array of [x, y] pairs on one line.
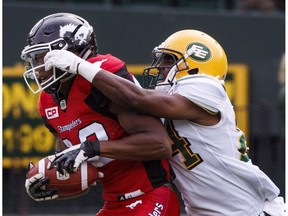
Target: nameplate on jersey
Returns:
[[52, 112]]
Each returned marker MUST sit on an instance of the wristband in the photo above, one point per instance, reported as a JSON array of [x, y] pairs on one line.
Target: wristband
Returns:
[[91, 148], [88, 70]]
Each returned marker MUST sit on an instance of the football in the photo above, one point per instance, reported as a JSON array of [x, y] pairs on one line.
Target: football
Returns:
[[69, 185]]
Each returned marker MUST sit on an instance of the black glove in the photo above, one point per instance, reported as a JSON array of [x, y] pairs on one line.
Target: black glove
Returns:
[[34, 187], [70, 160]]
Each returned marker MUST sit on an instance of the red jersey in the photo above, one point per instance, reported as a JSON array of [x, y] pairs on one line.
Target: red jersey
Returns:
[[85, 115]]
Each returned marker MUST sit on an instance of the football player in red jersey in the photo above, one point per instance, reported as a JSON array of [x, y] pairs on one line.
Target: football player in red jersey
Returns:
[[136, 181]]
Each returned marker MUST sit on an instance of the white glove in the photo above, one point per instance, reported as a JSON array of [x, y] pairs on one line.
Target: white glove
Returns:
[[62, 59], [34, 187], [68, 61], [275, 207]]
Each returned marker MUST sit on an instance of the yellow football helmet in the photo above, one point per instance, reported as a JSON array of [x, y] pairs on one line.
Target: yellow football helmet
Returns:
[[186, 52]]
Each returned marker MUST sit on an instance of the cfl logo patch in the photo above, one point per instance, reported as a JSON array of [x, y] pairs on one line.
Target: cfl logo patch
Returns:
[[52, 113], [62, 177]]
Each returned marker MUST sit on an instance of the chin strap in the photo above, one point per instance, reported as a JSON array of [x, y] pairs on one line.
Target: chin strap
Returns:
[[86, 55]]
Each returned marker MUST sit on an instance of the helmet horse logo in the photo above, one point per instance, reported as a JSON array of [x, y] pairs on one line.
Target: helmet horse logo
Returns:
[[80, 36]]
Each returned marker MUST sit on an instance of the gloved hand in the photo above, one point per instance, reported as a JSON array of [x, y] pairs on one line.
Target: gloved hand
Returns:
[[62, 59], [70, 159], [34, 187], [68, 61]]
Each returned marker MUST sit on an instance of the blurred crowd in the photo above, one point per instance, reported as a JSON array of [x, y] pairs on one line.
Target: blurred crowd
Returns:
[[261, 5], [265, 6]]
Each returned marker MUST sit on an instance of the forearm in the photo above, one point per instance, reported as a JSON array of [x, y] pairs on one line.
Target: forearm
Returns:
[[60, 145], [133, 148], [117, 89]]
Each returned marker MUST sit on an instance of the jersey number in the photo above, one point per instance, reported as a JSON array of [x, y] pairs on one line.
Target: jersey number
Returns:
[[243, 149], [181, 146], [89, 131]]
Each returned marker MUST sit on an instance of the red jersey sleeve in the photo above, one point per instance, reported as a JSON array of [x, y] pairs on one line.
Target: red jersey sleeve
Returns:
[[112, 64]]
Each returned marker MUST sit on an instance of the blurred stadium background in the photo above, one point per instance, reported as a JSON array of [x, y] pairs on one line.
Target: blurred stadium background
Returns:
[[252, 35]]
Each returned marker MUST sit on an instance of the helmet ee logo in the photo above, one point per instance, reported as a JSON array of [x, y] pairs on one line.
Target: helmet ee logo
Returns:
[[198, 51]]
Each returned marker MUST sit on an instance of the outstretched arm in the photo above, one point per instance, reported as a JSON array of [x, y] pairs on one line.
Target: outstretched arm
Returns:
[[123, 92], [152, 102], [126, 94]]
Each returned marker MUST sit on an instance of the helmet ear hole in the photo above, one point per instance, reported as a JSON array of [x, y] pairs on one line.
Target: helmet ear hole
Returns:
[[59, 44], [193, 71]]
